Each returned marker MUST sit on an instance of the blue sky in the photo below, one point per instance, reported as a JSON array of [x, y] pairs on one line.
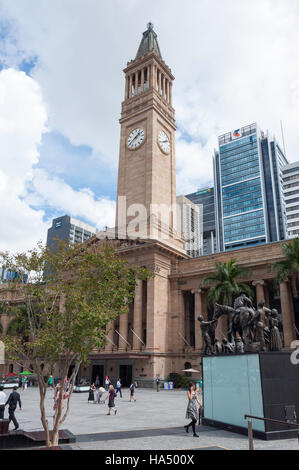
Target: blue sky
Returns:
[[62, 85]]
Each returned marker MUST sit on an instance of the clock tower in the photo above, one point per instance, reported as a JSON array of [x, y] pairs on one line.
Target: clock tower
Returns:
[[146, 196]]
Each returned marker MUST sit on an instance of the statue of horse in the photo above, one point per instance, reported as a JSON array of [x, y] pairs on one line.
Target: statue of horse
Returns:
[[238, 321]]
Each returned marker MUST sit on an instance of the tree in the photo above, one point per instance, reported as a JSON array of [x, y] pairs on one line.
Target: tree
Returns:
[[288, 268], [65, 312], [225, 284]]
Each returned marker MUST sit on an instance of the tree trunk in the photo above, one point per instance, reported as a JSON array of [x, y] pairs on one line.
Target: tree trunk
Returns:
[[42, 392]]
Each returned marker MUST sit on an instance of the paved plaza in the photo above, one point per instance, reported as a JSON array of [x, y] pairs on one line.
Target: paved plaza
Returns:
[[154, 421]]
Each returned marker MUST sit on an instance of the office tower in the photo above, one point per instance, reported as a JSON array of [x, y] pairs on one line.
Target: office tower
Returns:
[[205, 198], [290, 175], [249, 200], [189, 219], [69, 228], [10, 276]]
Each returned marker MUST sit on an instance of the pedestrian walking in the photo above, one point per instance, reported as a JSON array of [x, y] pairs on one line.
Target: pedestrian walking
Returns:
[[51, 381], [132, 391], [192, 408], [158, 384], [111, 397], [107, 383], [2, 403], [24, 383], [91, 393], [118, 388], [12, 402]]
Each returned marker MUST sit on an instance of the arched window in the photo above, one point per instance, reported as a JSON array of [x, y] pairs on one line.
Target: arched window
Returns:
[[11, 368]]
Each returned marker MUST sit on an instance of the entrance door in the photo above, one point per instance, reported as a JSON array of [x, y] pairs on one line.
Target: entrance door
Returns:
[[97, 375], [125, 374]]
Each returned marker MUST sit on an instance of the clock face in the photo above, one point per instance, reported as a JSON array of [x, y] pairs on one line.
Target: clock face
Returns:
[[164, 142], [136, 138]]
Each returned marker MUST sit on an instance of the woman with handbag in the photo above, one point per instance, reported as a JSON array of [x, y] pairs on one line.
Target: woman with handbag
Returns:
[[192, 408]]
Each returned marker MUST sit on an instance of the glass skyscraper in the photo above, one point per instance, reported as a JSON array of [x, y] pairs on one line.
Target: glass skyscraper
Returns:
[[249, 200]]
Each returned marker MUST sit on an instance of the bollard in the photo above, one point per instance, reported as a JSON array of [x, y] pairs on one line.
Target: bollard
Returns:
[[250, 435]]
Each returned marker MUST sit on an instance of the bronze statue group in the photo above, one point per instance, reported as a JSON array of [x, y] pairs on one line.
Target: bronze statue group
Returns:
[[248, 329]]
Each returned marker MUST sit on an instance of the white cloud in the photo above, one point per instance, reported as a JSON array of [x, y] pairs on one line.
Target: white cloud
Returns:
[[55, 193], [22, 123], [24, 190]]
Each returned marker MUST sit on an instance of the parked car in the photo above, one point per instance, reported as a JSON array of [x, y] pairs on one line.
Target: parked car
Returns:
[[10, 382]]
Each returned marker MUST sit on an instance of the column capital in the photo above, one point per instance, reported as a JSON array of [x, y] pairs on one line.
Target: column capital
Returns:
[[197, 291], [259, 282]]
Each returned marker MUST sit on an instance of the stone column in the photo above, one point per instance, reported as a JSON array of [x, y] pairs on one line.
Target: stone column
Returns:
[[130, 86], [167, 90], [110, 334], [182, 308], [187, 319], [5, 321], [170, 93], [199, 309], [123, 330], [163, 89], [155, 77], [126, 87], [142, 80], [136, 83], [260, 293], [137, 320], [160, 83], [287, 311], [149, 79]]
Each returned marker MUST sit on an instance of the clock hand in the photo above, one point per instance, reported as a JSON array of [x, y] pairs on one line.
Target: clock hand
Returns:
[[136, 137]]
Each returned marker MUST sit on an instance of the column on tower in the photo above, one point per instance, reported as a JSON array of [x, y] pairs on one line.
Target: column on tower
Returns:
[[126, 88], [142, 80], [170, 94], [163, 87], [167, 91], [149, 74], [154, 76], [130, 86], [136, 84]]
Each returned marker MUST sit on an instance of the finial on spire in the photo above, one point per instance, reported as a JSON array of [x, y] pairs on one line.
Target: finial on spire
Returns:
[[149, 42]]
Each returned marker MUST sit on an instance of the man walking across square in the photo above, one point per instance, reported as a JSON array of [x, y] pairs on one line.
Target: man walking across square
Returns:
[[13, 399], [2, 403], [118, 388]]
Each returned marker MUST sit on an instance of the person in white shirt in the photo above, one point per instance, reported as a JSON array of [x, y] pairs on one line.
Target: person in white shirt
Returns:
[[118, 388], [2, 403]]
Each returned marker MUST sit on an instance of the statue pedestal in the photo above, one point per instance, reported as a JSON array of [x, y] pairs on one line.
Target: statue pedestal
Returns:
[[264, 385]]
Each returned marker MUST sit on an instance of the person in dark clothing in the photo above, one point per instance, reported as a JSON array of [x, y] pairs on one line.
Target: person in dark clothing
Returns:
[[2, 403], [158, 384], [12, 402]]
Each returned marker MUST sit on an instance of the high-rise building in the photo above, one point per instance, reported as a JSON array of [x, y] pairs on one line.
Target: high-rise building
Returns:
[[290, 174], [249, 200], [205, 198], [10, 276], [189, 220], [68, 228]]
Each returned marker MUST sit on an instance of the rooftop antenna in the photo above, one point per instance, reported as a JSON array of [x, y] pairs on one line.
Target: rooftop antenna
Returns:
[[282, 133]]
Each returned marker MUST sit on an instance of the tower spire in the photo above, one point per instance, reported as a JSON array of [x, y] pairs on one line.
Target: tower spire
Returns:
[[149, 42]]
